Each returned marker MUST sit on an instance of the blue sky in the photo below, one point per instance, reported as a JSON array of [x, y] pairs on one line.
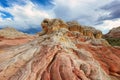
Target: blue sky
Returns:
[[27, 14]]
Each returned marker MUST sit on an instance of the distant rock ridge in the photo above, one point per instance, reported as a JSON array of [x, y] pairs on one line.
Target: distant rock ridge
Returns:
[[9, 32], [113, 33], [61, 52], [10, 37], [113, 36]]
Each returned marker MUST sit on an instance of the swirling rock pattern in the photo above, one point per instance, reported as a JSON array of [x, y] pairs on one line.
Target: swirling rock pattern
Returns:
[[60, 54]]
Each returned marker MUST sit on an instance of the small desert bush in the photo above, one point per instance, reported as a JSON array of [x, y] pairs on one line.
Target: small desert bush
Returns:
[[114, 41]]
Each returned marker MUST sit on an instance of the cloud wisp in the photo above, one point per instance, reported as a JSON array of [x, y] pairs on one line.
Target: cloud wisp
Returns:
[[26, 14], [23, 16], [113, 10]]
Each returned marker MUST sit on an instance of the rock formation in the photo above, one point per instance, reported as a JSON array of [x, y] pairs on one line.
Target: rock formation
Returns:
[[84, 30], [11, 37], [75, 26], [113, 36], [48, 26], [60, 54], [9, 32], [113, 33]]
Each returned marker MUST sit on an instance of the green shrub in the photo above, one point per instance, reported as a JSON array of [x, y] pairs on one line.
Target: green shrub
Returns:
[[114, 41]]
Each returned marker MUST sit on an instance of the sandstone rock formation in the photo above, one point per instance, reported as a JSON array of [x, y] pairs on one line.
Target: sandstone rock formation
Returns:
[[75, 26], [113, 33], [9, 32], [72, 26], [85, 30], [113, 36], [11, 37], [96, 33], [49, 25], [60, 54]]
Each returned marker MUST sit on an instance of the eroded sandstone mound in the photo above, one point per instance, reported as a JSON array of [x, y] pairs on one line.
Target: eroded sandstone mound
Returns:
[[10, 37], [61, 54], [9, 32]]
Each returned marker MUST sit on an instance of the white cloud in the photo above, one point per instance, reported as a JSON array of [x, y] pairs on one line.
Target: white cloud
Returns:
[[85, 11], [108, 24], [25, 17]]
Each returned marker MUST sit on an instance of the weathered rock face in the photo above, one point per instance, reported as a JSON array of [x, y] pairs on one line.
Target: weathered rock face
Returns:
[[95, 33], [85, 30], [60, 54], [11, 33], [11, 37], [74, 26], [48, 26], [6, 43], [113, 33], [113, 36]]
